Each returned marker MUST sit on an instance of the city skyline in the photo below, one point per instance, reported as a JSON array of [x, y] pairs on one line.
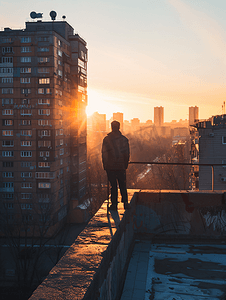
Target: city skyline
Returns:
[[141, 55]]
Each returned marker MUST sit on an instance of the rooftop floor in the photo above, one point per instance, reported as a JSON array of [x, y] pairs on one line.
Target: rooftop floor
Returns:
[[176, 271]]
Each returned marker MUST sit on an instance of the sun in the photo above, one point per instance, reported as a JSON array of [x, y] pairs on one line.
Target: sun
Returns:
[[100, 102]]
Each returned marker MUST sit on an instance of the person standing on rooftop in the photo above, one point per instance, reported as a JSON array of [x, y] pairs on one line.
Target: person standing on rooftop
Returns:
[[115, 158]]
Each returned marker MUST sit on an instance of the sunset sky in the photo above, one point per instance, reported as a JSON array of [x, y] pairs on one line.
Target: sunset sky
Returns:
[[144, 53]]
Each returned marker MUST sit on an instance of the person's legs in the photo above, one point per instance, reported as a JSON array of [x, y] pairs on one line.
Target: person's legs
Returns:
[[121, 176], [114, 189]]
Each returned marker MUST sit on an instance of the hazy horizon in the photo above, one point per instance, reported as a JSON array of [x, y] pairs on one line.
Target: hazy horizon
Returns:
[[142, 54]]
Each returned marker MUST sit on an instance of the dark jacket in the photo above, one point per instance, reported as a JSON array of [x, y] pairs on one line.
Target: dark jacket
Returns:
[[115, 151]]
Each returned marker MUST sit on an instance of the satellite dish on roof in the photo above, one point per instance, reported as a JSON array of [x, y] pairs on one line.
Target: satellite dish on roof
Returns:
[[53, 15], [35, 15]]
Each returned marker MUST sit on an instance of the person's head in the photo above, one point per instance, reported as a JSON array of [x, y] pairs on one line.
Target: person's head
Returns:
[[115, 125]]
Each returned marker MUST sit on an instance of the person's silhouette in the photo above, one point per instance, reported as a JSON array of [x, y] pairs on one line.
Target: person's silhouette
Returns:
[[115, 158]]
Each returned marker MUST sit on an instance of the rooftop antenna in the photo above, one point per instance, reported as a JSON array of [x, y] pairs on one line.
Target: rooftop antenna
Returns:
[[35, 15], [224, 107], [53, 15]]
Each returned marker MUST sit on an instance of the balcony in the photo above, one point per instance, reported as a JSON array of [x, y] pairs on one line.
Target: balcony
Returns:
[[169, 245]]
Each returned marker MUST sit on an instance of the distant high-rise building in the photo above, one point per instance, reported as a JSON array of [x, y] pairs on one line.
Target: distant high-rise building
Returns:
[[118, 117], [99, 122], [158, 116], [135, 123], [193, 115], [43, 90]]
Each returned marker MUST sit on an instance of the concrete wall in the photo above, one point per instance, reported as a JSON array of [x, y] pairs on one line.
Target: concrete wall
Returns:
[[180, 213], [94, 266]]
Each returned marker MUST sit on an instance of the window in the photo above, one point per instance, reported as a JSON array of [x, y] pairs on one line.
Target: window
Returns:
[[26, 185], [25, 59], [8, 185], [26, 154], [43, 49], [8, 143], [26, 174], [44, 144], [25, 80], [44, 122], [8, 60], [44, 101], [44, 153], [26, 101], [60, 53], [26, 143], [26, 112], [25, 49], [6, 70], [7, 164], [44, 133], [27, 218], [60, 73], [43, 70], [44, 185], [26, 132], [43, 38], [44, 112], [26, 164], [7, 122], [25, 39], [7, 49], [43, 59], [7, 132], [6, 112], [8, 196], [6, 40], [25, 70], [9, 205], [61, 151], [26, 196], [44, 165], [25, 122], [25, 205], [7, 90], [223, 139], [7, 153], [44, 81], [7, 174], [25, 91], [47, 175], [7, 80], [224, 163], [7, 101], [44, 91]]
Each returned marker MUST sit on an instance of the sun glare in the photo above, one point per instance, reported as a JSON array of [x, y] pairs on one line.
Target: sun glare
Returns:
[[98, 102]]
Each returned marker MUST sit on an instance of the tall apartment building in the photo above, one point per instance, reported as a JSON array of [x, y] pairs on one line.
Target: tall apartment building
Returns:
[[118, 117], [158, 116], [99, 122], [43, 90], [209, 147], [193, 115]]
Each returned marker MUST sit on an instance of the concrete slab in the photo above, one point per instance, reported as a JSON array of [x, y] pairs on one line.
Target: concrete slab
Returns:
[[186, 272]]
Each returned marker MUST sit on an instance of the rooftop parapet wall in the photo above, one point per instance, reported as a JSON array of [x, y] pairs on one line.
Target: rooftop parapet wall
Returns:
[[181, 213], [94, 266]]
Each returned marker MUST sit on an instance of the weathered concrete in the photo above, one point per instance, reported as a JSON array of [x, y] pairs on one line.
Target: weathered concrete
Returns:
[[95, 265]]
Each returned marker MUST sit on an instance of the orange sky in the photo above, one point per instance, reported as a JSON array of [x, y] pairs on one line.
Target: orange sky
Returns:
[[144, 53]]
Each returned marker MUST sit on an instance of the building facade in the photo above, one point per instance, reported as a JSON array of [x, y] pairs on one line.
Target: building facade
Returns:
[[158, 116], [118, 117], [193, 115], [43, 89], [209, 147]]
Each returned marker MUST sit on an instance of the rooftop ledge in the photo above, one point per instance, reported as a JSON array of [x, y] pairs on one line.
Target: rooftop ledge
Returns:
[[95, 266]]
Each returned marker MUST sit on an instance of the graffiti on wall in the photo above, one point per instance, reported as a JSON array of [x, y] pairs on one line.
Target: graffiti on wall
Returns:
[[215, 217]]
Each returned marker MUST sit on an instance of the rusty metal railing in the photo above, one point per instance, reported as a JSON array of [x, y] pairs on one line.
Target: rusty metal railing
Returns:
[[181, 164]]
